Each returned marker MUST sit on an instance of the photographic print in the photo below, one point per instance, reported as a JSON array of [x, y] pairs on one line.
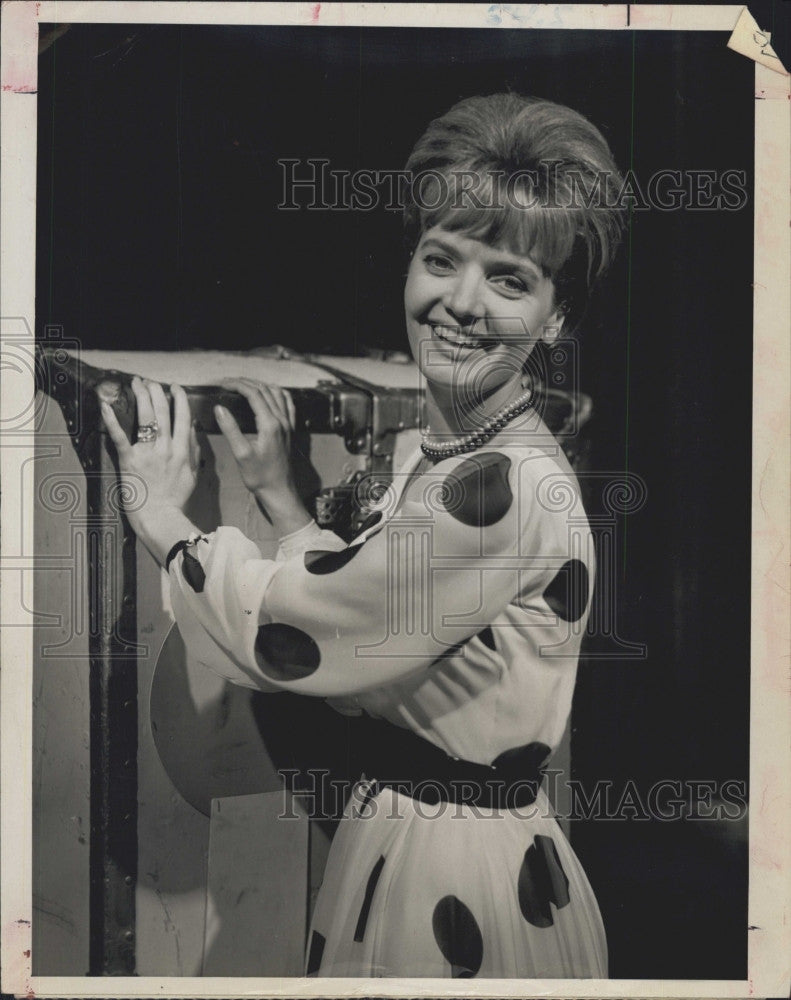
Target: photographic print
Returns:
[[395, 500]]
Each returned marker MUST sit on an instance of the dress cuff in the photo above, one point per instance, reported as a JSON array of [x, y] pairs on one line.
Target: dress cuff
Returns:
[[309, 537], [296, 541], [185, 543]]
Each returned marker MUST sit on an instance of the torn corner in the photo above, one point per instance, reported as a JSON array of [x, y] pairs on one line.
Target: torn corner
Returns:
[[749, 40]]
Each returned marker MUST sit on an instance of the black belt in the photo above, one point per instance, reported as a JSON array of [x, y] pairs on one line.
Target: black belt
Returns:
[[399, 759]]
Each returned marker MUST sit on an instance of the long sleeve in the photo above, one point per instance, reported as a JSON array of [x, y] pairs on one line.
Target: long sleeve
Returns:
[[309, 537], [331, 621]]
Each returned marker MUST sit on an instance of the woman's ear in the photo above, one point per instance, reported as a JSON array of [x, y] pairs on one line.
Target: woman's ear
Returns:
[[554, 325]]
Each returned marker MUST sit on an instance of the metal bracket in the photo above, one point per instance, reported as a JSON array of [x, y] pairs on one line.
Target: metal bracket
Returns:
[[390, 411]]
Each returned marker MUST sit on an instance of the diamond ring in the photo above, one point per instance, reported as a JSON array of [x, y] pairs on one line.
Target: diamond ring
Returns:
[[147, 432]]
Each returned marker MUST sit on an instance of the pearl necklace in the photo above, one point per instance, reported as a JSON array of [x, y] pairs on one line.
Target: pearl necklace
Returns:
[[448, 447]]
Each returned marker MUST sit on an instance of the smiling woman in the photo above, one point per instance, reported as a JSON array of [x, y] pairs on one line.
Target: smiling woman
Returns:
[[545, 187], [517, 222], [455, 617], [473, 315]]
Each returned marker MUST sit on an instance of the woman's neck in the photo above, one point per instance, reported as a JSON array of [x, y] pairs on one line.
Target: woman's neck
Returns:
[[448, 411]]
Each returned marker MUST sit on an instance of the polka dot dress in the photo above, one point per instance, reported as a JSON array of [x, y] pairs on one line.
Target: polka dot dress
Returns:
[[447, 892], [457, 613]]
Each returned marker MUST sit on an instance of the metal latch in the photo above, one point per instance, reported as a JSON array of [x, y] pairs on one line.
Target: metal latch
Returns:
[[391, 411]]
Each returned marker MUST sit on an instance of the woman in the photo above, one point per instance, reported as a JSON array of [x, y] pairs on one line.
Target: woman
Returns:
[[456, 615]]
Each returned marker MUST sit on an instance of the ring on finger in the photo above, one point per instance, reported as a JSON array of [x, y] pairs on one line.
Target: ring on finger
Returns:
[[147, 432]]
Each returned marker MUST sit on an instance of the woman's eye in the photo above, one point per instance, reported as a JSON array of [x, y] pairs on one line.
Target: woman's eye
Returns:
[[437, 263], [511, 284]]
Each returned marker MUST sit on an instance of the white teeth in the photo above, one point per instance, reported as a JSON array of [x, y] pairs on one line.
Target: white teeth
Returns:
[[452, 336]]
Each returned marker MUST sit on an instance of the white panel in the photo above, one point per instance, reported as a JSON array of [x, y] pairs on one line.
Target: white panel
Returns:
[[258, 885], [61, 761]]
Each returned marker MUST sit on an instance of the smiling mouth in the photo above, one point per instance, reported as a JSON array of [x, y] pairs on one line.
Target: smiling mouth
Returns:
[[453, 336]]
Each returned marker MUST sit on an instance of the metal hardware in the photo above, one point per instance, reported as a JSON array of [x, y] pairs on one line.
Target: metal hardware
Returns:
[[391, 411]]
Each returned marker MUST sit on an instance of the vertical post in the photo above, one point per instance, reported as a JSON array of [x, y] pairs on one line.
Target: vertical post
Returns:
[[113, 698], [113, 726]]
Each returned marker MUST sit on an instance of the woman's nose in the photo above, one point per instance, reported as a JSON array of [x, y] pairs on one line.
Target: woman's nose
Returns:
[[463, 298]]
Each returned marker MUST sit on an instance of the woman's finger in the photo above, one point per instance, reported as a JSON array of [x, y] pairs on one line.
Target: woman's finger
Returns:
[[194, 445], [145, 408], [181, 418], [262, 410], [114, 429], [240, 385], [238, 381], [161, 409], [271, 394], [245, 386], [276, 402], [290, 409], [238, 443]]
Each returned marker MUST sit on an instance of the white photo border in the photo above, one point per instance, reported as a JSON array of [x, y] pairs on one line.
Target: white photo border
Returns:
[[769, 944]]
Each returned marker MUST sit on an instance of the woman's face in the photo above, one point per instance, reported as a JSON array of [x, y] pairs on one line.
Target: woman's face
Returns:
[[474, 312]]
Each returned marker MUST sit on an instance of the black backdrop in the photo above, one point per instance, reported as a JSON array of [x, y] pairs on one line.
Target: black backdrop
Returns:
[[158, 228]]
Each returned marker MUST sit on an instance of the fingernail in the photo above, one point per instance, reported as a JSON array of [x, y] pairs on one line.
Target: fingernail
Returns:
[[220, 411]]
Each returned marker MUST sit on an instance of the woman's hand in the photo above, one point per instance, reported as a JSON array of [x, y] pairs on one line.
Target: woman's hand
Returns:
[[167, 464], [265, 460]]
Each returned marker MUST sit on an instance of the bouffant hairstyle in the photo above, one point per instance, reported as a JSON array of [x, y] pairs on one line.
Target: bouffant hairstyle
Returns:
[[525, 174]]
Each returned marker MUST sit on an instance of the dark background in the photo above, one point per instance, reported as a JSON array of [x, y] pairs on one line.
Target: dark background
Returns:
[[158, 229]]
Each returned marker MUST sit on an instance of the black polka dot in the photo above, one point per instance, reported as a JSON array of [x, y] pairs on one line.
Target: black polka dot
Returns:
[[486, 495], [321, 562], [487, 638], [285, 653], [542, 881], [567, 594], [370, 521], [193, 572], [370, 889], [315, 952], [458, 937]]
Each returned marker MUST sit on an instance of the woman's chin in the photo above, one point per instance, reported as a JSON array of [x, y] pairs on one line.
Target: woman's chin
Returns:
[[470, 395]]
